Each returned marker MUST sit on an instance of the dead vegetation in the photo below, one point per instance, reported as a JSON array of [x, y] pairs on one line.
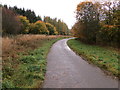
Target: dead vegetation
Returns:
[[12, 46]]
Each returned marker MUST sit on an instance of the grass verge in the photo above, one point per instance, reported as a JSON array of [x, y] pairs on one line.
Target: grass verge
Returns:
[[29, 69], [102, 57]]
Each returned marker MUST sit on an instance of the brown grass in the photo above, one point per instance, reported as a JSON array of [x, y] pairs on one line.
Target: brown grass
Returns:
[[12, 46]]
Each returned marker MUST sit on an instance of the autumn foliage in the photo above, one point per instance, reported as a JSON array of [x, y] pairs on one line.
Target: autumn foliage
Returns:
[[98, 23], [40, 28], [61, 27], [20, 21], [52, 29], [25, 24]]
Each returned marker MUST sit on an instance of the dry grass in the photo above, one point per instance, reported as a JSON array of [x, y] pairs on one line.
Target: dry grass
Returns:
[[11, 46]]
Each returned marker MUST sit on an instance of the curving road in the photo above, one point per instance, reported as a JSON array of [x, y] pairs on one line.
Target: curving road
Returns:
[[65, 69]]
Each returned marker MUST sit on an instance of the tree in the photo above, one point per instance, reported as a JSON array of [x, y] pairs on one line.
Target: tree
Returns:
[[108, 12], [111, 13], [51, 29], [39, 27], [25, 24], [31, 16], [109, 32], [10, 22], [78, 30], [38, 18], [28, 13], [65, 30], [87, 14], [116, 14], [5, 6], [33, 29], [61, 27]]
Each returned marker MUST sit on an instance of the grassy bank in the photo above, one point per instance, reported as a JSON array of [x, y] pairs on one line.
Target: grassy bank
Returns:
[[24, 61], [107, 59]]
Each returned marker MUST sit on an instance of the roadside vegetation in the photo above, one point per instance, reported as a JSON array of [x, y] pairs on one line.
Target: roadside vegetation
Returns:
[[98, 23], [105, 58], [24, 60], [26, 40], [97, 28]]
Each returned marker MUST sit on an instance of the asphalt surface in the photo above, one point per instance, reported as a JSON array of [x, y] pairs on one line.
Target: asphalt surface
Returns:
[[65, 69]]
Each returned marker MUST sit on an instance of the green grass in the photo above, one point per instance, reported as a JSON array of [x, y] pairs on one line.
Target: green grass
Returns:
[[32, 68], [102, 57]]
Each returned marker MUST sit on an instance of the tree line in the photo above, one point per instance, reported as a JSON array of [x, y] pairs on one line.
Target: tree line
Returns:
[[98, 23], [20, 21], [61, 27]]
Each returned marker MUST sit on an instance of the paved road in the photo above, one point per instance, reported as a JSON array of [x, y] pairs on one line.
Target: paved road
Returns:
[[65, 69]]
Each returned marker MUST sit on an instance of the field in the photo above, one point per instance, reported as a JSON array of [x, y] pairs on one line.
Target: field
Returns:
[[105, 58], [24, 60]]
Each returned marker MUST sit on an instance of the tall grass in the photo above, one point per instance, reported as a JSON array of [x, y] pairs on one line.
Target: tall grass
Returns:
[[13, 45]]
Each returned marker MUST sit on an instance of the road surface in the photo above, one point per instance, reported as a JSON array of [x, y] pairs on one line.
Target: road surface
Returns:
[[65, 69]]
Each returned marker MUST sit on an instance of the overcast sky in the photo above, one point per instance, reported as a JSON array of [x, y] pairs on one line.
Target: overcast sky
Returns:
[[62, 9]]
